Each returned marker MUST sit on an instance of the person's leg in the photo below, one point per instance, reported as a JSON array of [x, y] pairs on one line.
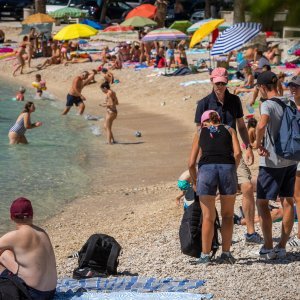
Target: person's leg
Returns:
[[16, 69], [13, 138], [81, 108], [109, 121], [265, 222], [287, 221], [8, 261], [297, 197], [66, 110], [248, 204], [227, 211], [208, 219], [22, 140]]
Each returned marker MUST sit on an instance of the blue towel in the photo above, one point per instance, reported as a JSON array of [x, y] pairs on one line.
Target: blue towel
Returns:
[[135, 296], [72, 289]]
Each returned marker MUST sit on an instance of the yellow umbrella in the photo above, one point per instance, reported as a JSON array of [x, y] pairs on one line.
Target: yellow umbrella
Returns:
[[38, 19], [205, 30], [75, 31]]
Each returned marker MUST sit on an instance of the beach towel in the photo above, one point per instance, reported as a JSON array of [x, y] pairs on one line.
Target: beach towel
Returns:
[[128, 284], [191, 82], [135, 296], [180, 72]]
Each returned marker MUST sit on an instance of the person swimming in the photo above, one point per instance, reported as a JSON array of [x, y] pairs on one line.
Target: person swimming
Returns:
[[17, 132]]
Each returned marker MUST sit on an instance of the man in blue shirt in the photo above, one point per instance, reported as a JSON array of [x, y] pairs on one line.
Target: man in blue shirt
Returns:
[[230, 109]]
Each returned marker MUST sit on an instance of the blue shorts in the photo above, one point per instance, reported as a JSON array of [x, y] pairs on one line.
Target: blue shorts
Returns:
[[71, 100], [274, 182], [216, 176]]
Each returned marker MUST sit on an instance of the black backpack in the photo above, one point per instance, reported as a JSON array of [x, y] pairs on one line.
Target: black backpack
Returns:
[[190, 231], [12, 289], [98, 257]]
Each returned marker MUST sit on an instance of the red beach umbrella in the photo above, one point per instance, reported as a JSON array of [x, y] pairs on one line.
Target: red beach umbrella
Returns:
[[144, 10], [118, 28]]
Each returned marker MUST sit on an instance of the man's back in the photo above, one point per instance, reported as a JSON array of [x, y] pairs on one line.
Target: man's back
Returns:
[[34, 255]]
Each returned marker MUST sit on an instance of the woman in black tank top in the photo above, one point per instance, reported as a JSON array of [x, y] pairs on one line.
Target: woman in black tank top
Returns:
[[218, 147]]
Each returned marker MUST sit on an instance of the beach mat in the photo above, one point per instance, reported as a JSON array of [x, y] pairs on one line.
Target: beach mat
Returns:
[[135, 296], [130, 284]]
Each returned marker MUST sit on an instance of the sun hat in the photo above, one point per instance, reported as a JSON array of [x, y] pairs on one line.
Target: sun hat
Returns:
[[21, 208], [295, 80], [205, 115], [219, 75], [267, 77]]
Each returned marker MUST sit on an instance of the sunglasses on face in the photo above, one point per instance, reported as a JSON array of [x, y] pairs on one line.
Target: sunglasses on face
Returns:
[[220, 84]]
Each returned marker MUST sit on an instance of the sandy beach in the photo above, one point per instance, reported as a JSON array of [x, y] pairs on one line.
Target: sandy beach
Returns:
[[133, 189]]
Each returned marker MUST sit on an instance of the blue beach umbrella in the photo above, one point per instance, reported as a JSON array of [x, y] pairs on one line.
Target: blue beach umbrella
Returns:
[[235, 37], [92, 24]]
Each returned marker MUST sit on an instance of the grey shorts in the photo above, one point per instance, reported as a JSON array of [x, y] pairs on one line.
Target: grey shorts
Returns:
[[243, 173]]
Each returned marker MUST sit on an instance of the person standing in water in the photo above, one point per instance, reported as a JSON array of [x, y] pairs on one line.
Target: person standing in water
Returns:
[[110, 103], [16, 133], [74, 96]]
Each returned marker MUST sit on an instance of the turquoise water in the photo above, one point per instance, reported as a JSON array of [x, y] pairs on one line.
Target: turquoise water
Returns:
[[53, 168]]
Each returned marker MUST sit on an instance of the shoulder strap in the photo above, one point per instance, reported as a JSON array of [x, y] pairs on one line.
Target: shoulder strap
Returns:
[[279, 102], [21, 287], [91, 244], [113, 257]]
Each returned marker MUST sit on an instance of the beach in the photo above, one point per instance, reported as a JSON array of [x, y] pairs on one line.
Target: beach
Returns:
[[132, 191]]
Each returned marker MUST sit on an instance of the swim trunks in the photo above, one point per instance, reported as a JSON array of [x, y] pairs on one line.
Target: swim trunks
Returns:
[[35, 294], [71, 100]]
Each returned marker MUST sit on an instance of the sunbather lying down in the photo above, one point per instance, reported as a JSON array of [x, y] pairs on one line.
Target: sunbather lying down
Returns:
[[76, 60]]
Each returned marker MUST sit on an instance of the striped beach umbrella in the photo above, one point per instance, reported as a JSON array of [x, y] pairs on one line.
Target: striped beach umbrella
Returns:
[[164, 34], [235, 37]]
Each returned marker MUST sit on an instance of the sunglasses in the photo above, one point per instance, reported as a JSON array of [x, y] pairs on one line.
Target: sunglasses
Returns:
[[220, 83]]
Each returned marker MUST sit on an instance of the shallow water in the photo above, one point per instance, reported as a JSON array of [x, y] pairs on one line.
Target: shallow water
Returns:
[[53, 168]]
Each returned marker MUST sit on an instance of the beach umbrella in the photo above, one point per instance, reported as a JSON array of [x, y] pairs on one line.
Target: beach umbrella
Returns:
[[38, 19], [117, 29], [92, 24], [75, 31], [144, 10], [68, 12], [204, 30], [181, 25], [235, 37], [164, 34], [138, 22]]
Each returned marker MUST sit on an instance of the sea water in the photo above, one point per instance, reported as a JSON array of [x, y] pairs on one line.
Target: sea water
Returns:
[[53, 168]]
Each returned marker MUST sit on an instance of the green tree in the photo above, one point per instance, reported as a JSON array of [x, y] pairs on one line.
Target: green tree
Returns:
[[40, 6]]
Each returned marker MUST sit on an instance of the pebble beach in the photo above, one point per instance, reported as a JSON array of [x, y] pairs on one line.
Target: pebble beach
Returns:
[[132, 191]]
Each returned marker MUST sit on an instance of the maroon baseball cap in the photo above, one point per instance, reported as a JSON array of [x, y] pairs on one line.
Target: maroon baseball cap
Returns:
[[21, 208]]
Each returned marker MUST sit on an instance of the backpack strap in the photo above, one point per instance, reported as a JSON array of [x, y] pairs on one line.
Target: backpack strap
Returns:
[[21, 287], [91, 244], [113, 257]]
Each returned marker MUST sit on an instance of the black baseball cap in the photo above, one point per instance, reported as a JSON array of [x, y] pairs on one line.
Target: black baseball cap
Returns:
[[267, 77], [295, 80]]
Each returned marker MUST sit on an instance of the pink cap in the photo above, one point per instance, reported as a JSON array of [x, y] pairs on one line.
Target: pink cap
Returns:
[[219, 75], [205, 115]]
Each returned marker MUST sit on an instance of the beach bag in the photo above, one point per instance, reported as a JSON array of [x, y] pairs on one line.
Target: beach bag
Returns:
[[98, 257], [190, 231], [12, 289], [287, 142]]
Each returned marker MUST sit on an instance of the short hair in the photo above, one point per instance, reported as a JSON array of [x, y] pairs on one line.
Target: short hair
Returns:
[[38, 76], [252, 123], [266, 67]]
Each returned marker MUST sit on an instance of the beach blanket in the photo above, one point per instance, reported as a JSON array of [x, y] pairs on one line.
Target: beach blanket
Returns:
[[192, 82], [193, 51], [135, 296], [180, 72], [127, 283]]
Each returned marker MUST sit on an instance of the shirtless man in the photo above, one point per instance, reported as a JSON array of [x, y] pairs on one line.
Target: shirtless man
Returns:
[[75, 96], [55, 59], [27, 254]]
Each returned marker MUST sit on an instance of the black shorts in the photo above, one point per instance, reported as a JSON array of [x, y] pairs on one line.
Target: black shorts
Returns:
[[274, 182], [71, 100]]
